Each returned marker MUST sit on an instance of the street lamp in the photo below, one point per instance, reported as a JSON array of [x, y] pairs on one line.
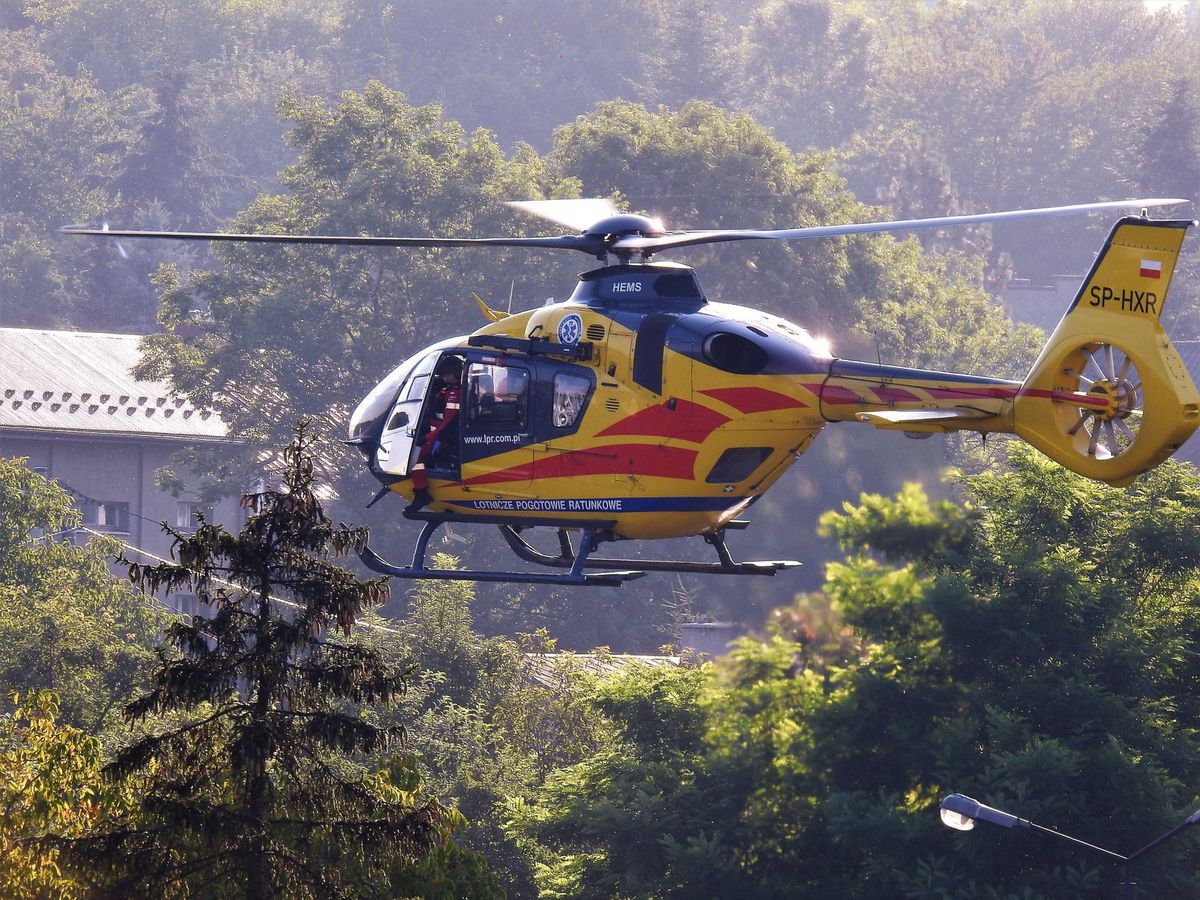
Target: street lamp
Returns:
[[960, 812]]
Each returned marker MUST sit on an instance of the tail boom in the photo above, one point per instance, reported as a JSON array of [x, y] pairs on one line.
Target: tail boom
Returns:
[[1108, 397]]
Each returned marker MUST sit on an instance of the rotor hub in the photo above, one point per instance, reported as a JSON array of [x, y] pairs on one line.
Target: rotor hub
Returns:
[[1120, 398], [610, 229], [625, 224]]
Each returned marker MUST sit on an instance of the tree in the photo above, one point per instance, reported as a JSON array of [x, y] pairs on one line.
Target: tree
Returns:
[[1032, 647], [807, 68], [66, 624], [249, 784], [50, 782], [1171, 160], [485, 732], [281, 332], [169, 162], [59, 139], [705, 167], [1029, 102], [621, 821]]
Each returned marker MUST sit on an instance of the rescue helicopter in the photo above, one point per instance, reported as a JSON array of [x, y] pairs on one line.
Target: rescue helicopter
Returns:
[[636, 408]]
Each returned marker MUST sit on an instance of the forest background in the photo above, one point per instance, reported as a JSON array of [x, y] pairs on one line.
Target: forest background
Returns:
[[767, 770]]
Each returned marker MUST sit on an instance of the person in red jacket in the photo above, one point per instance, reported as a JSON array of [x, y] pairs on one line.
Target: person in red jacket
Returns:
[[442, 435]]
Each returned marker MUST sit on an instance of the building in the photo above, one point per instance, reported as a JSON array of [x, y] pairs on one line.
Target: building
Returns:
[[1041, 304], [70, 403]]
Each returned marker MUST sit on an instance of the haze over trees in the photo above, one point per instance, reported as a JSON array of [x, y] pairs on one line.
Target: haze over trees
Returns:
[[1029, 641]]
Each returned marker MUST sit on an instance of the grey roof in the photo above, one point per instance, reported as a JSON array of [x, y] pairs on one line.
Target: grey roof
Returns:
[[81, 382]]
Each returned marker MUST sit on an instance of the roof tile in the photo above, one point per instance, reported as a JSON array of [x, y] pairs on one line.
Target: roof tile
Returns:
[[43, 372]]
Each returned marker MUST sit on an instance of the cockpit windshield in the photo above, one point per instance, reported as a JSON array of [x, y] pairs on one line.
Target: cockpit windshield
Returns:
[[370, 412]]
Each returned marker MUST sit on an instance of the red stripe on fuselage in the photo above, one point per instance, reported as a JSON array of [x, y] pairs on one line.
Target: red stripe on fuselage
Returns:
[[753, 400], [1069, 397], [687, 422], [622, 459], [895, 395], [834, 393], [837, 394], [989, 393]]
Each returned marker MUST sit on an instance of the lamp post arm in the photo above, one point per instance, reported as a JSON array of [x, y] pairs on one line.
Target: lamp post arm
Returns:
[[1025, 823], [1186, 823]]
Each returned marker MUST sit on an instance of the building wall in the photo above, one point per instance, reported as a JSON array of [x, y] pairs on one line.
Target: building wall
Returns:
[[118, 471]]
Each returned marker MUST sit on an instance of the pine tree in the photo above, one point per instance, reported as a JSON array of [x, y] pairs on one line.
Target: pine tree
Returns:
[[251, 785]]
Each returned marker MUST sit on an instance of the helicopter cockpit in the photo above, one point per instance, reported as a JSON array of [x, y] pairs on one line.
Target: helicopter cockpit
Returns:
[[508, 403], [366, 423]]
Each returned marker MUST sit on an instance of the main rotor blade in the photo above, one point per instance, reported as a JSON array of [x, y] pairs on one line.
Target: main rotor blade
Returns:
[[688, 238], [578, 214], [572, 212], [566, 242]]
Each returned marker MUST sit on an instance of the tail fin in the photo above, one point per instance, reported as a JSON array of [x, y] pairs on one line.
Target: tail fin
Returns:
[[492, 315], [1109, 396]]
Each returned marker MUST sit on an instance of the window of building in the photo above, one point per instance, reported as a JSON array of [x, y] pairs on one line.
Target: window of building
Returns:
[[187, 604], [106, 515], [497, 397], [570, 392], [189, 512]]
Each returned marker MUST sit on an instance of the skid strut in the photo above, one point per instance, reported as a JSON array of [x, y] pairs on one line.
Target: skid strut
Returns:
[[568, 557], [417, 569]]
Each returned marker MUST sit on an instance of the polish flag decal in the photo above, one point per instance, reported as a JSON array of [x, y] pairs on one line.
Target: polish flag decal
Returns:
[[1151, 268]]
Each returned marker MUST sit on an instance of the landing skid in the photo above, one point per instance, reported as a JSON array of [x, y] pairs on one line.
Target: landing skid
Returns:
[[576, 575], [726, 564]]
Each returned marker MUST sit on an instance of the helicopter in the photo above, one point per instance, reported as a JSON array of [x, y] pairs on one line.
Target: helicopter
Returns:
[[636, 408]]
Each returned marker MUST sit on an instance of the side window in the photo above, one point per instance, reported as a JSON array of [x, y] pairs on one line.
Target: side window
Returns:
[[737, 464], [497, 397], [408, 404], [570, 392]]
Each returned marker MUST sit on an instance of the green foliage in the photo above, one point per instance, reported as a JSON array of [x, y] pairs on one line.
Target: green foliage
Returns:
[[483, 730], [1032, 648], [283, 332], [1030, 653], [631, 819], [60, 137], [1027, 101], [50, 783], [250, 784], [804, 66], [65, 623]]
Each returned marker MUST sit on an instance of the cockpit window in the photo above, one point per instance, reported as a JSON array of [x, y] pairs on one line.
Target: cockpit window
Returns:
[[497, 397], [370, 412]]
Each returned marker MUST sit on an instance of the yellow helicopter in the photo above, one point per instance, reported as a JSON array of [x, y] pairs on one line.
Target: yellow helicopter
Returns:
[[636, 408]]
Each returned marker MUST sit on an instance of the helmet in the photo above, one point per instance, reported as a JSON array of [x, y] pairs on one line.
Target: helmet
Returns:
[[449, 365]]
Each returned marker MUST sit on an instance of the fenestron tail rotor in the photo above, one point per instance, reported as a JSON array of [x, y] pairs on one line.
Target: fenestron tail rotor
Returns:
[[1108, 424], [1109, 396]]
